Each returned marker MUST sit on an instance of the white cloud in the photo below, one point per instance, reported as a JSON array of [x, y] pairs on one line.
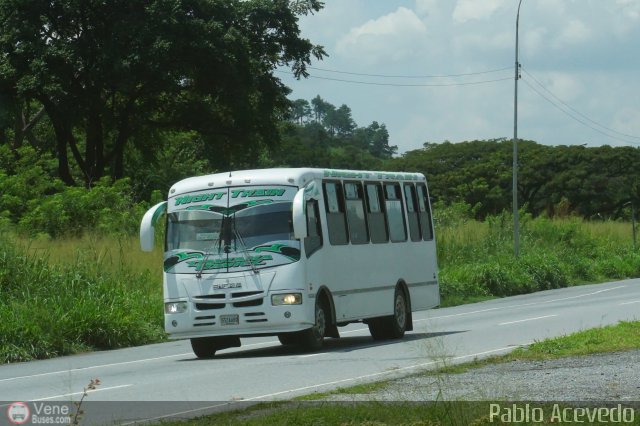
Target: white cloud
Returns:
[[391, 37], [574, 33], [470, 41], [427, 7], [467, 10], [565, 86], [533, 40], [630, 8], [580, 50], [627, 121]]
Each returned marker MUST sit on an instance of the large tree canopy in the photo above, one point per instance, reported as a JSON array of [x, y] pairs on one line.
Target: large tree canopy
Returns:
[[106, 73], [598, 182]]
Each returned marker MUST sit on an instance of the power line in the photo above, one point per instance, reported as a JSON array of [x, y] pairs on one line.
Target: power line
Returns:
[[584, 123], [411, 76], [575, 110], [371, 83]]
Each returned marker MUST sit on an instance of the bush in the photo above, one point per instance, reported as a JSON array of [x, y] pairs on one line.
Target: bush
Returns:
[[105, 209], [25, 177]]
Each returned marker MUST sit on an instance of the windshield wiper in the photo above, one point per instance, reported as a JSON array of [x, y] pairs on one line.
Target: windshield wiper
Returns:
[[245, 249], [208, 253]]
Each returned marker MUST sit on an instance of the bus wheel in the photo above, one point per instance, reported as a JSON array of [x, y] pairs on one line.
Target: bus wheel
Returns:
[[288, 338], [206, 347], [313, 338], [394, 326], [398, 322]]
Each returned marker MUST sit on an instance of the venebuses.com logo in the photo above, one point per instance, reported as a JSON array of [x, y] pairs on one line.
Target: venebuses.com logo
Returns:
[[18, 413]]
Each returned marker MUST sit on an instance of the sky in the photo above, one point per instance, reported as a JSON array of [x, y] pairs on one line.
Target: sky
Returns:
[[444, 70]]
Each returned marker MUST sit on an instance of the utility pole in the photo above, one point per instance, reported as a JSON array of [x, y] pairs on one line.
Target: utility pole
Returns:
[[516, 224]]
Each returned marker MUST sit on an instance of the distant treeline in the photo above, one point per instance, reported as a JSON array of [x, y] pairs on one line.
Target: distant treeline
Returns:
[[591, 182]]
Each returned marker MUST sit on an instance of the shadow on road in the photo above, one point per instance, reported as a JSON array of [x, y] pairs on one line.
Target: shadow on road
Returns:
[[343, 344]]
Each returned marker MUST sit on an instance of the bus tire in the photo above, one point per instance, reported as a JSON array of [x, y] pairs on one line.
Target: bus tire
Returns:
[[206, 347], [378, 328], [394, 326], [313, 338], [288, 338], [398, 322]]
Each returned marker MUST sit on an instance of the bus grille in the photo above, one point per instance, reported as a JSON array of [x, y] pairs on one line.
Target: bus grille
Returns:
[[208, 306], [219, 301], [256, 302], [255, 317]]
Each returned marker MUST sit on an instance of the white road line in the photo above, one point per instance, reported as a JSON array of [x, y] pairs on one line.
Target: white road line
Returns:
[[80, 393], [354, 331], [528, 319], [521, 305], [629, 303], [310, 355], [461, 314], [51, 373], [74, 393], [569, 298], [116, 364], [382, 373]]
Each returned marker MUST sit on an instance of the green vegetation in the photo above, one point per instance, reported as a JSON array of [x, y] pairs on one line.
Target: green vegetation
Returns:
[[86, 300], [613, 338], [592, 182], [476, 258]]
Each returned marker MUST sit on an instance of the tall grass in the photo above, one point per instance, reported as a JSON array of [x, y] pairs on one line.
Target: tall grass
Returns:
[[477, 260], [57, 300]]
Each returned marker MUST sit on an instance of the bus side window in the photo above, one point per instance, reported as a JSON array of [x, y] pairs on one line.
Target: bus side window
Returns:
[[375, 214], [395, 213], [313, 242], [425, 213], [358, 233], [412, 211], [336, 220]]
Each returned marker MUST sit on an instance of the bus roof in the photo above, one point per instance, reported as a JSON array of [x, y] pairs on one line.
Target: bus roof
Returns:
[[284, 176]]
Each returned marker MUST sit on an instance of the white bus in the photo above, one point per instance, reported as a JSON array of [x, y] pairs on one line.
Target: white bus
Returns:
[[294, 253]]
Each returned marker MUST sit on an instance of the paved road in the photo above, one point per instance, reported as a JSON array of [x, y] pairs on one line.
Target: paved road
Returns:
[[262, 369]]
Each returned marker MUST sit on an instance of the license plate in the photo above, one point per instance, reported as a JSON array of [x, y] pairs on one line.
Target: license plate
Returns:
[[229, 319]]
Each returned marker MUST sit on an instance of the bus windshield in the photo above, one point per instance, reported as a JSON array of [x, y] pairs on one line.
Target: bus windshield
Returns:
[[203, 230]]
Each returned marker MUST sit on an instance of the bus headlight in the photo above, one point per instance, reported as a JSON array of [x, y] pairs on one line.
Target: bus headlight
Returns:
[[286, 299], [175, 307]]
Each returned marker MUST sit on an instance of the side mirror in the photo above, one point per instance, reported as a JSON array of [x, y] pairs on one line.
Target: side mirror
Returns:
[[299, 215], [149, 220]]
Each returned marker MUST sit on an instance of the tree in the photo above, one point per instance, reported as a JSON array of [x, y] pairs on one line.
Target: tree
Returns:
[[375, 138], [300, 111], [320, 108], [107, 73], [340, 121]]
